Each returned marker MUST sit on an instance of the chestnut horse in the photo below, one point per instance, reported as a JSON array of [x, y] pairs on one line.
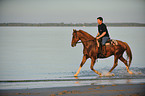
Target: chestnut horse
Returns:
[[91, 50]]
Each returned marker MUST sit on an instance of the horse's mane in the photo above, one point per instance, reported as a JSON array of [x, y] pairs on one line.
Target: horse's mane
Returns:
[[87, 34]]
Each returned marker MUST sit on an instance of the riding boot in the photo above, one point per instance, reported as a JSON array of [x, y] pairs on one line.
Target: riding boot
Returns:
[[101, 51]]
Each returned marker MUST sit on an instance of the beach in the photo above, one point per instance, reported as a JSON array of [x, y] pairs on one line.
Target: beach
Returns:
[[90, 90]]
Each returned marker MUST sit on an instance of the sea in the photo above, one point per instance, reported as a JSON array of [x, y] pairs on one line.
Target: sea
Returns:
[[42, 57]]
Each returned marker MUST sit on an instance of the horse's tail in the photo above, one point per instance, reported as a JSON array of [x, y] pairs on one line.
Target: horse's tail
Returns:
[[129, 53]]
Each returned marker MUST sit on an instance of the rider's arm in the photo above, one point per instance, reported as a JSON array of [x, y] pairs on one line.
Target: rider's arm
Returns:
[[103, 34]]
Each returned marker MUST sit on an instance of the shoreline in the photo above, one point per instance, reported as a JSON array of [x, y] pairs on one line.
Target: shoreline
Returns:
[[70, 26], [88, 90], [54, 84], [124, 24]]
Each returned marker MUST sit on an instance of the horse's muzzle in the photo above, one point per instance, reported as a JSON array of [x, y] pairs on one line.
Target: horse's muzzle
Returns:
[[73, 45]]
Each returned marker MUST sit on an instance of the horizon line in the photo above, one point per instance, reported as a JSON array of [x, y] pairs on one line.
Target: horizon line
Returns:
[[69, 23]]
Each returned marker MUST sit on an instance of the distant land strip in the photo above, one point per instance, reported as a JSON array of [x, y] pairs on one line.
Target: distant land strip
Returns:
[[71, 24]]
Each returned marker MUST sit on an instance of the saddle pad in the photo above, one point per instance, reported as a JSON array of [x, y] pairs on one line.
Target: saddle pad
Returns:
[[112, 42]]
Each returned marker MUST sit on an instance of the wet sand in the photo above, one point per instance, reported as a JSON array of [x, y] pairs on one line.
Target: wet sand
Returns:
[[90, 90]]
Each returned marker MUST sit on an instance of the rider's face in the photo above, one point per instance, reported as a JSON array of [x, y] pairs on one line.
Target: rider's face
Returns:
[[99, 21]]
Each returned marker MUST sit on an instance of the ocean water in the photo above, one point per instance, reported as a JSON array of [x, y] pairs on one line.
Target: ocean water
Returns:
[[44, 54]]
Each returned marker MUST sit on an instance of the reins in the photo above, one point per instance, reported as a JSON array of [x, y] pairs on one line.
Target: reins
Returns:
[[84, 41]]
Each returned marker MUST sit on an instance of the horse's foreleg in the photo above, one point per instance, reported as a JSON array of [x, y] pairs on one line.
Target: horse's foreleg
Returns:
[[92, 65], [82, 63], [115, 63], [125, 62]]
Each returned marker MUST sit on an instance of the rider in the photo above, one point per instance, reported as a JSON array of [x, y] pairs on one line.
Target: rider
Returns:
[[102, 33]]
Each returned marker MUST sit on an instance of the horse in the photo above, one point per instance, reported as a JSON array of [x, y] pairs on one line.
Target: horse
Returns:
[[90, 50]]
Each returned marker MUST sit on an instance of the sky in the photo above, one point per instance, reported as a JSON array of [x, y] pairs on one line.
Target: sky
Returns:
[[71, 11]]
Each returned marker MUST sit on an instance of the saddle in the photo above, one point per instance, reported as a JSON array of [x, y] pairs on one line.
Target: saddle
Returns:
[[110, 42]]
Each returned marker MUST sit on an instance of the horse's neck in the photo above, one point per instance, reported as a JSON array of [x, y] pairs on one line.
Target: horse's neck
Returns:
[[86, 38], [86, 35], [87, 42]]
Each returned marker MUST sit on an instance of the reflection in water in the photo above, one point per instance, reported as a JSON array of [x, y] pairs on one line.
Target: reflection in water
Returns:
[[107, 82], [76, 77], [128, 80], [77, 82]]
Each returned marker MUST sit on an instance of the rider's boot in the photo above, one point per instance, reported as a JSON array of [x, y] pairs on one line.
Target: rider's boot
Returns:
[[100, 52]]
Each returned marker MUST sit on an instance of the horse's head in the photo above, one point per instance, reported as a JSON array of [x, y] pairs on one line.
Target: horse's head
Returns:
[[75, 38]]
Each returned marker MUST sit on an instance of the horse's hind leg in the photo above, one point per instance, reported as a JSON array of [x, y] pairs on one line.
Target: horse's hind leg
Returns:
[[125, 62], [92, 65], [82, 63]]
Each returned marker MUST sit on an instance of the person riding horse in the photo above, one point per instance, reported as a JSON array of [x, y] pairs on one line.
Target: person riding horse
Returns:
[[102, 34], [90, 50]]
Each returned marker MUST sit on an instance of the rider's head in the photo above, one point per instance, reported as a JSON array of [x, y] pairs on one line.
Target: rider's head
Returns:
[[99, 20]]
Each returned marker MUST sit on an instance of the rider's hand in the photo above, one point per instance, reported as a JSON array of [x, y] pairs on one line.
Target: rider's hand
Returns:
[[97, 38]]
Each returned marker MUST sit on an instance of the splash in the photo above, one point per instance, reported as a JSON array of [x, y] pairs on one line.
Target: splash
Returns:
[[107, 74], [137, 72]]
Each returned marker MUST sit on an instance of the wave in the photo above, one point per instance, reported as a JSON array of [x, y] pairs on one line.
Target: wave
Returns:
[[121, 73]]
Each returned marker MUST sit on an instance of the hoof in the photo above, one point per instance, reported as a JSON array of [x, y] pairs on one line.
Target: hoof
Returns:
[[101, 75], [110, 74], [75, 75], [130, 72], [113, 74]]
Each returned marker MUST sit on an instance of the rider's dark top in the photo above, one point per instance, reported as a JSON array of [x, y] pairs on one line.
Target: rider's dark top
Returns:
[[102, 28]]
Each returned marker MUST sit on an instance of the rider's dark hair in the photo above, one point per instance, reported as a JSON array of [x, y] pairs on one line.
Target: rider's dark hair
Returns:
[[100, 18]]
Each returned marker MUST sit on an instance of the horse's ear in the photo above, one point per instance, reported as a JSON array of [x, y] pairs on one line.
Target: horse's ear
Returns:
[[74, 30]]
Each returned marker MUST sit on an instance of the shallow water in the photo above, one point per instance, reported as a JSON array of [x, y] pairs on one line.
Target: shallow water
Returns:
[[44, 53]]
